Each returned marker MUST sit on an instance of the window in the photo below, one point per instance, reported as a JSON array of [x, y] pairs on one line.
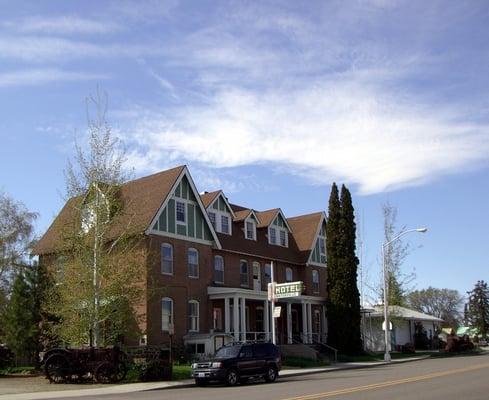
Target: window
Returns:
[[166, 259], [217, 319], [218, 269], [180, 212], [250, 230], [273, 235], [196, 348], [288, 274], [315, 281], [212, 217], [283, 238], [244, 272], [268, 274], [322, 249], [224, 224], [193, 263], [166, 313], [193, 316]]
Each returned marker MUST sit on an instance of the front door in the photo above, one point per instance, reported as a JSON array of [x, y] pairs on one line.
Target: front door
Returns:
[[256, 277]]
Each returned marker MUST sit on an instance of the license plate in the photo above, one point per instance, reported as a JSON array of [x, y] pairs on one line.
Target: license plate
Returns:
[[201, 374]]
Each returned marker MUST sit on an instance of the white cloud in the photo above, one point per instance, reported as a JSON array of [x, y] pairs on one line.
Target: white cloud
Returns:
[[31, 77], [62, 25], [330, 130]]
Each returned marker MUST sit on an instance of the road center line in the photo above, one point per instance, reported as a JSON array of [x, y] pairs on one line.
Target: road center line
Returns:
[[387, 383]]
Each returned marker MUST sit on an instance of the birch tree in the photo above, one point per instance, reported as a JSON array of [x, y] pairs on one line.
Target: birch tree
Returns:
[[101, 261]]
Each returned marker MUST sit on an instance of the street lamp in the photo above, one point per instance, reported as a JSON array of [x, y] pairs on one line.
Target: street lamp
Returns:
[[387, 337]]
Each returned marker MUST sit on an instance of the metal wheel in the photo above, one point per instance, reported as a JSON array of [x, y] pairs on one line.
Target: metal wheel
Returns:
[[56, 368], [232, 377], [271, 374], [105, 372]]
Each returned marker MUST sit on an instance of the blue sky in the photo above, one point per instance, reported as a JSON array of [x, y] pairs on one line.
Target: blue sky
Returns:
[[270, 101]]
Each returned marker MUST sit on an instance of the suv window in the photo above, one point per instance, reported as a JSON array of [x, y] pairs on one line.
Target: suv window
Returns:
[[246, 352], [228, 352]]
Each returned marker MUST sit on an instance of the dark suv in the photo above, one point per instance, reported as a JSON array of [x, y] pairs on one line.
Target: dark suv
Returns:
[[237, 362]]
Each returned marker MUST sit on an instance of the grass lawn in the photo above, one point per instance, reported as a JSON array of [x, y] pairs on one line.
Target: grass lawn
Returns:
[[181, 372], [17, 370]]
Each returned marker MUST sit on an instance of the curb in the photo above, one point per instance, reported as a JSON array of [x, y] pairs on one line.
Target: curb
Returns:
[[146, 387]]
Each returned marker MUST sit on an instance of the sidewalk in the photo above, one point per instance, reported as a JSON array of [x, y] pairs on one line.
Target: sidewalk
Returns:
[[138, 387]]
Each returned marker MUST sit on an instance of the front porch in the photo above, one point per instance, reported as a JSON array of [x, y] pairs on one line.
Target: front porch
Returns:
[[302, 319]]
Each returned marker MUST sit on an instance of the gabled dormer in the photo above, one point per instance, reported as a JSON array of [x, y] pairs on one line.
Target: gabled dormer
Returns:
[[182, 214], [249, 221], [277, 226], [220, 213]]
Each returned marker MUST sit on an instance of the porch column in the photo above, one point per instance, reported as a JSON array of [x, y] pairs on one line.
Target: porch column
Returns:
[[309, 322], [324, 325], [266, 319], [227, 327], [243, 319], [304, 323], [236, 318], [289, 323]]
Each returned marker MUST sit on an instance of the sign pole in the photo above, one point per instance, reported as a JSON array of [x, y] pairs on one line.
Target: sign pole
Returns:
[[273, 302]]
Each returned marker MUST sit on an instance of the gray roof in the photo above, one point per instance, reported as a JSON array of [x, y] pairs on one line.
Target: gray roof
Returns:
[[400, 312]]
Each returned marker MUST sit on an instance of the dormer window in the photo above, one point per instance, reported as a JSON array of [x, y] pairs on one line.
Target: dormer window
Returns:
[[224, 224], [250, 230], [180, 210], [212, 217], [283, 238], [272, 232]]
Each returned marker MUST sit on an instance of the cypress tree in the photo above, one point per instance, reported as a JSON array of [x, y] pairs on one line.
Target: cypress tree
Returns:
[[349, 259], [335, 274]]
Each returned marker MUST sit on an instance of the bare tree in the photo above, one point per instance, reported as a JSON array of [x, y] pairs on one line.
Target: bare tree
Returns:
[[395, 254], [442, 303]]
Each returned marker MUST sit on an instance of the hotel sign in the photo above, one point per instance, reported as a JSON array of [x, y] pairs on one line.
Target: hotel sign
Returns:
[[289, 289]]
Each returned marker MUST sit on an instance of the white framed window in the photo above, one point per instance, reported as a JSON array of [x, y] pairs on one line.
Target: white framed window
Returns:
[[166, 259], [166, 313], [193, 263], [250, 230], [217, 318], [243, 271], [315, 281], [218, 269], [212, 218], [224, 224], [288, 274], [272, 235], [180, 211], [268, 274], [193, 316], [284, 238]]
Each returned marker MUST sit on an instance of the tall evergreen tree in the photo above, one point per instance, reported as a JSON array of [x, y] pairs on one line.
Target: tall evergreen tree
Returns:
[[21, 329], [350, 264], [335, 281], [477, 310]]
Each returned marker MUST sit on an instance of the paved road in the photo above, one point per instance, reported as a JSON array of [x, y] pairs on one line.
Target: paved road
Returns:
[[450, 378]]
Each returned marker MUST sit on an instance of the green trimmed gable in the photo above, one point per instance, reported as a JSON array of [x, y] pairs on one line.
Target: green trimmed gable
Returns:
[[317, 256], [195, 226], [220, 205], [279, 221]]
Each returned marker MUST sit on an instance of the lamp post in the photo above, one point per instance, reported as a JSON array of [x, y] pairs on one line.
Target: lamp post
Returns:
[[387, 337]]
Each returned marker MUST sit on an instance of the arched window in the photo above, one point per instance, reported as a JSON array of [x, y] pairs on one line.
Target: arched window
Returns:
[[315, 281], [218, 269], [193, 263], [193, 316], [288, 274], [166, 313], [167, 259]]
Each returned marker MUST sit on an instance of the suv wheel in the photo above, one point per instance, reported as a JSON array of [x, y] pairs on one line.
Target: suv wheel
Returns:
[[271, 374], [232, 377]]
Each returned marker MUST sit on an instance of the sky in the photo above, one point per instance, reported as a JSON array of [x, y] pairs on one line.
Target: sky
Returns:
[[271, 101]]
